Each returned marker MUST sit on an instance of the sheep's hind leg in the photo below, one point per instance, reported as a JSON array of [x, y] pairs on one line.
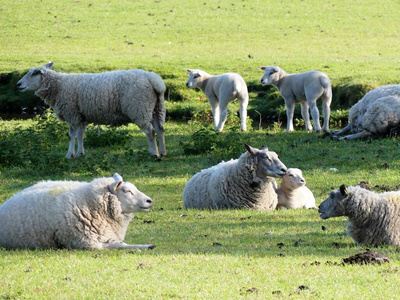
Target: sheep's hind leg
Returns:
[[161, 136], [358, 135], [151, 139], [306, 116], [315, 114], [243, 113], [71, 147], [80, 134], [122, 245]]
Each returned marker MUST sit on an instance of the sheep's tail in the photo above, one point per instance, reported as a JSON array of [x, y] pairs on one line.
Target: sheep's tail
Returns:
[[160, 88], [326, 83]]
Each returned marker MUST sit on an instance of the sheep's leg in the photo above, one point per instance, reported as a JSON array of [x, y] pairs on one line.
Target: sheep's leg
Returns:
[[306, 115], [326, 110], [312, 102], [161, 136], [358, 135], [289, 113], [80, 134], [244, 101], [71, 147], [215, 111], [122, 245], [223, 106], [151, 139]]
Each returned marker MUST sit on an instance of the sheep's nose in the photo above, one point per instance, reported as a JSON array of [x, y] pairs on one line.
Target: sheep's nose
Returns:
[[18, 84], [149, 201], [284, 171], [262, 81], [187, 84]]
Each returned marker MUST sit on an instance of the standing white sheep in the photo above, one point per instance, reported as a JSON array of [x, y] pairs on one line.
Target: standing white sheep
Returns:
[[375, 114], [374, 219], [246, 183], [72, 214], [111, 98], [220, 90], [293, 192], [305, 88]]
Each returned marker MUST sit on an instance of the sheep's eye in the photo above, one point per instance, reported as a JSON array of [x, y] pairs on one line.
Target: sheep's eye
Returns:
[[291, 175], [196, 76], [36, 72], [272, 72]]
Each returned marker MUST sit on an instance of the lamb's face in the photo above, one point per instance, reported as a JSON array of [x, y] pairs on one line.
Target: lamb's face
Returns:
[[271, 75], [332, 206], [269, 165], [294, 179], [195, 78], [33, 79], [132, 199]]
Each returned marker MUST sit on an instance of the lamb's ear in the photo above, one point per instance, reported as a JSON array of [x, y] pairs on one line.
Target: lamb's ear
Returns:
[[343, 190], [263, 68], [264, 147], [251, 150], [188, 70]]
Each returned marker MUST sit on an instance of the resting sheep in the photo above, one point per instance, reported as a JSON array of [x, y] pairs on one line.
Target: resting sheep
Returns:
[[220, 90], [246, 183], [374, 219], [72, 214], [293, 192], [377, 113], [111, 98], [305, 88]]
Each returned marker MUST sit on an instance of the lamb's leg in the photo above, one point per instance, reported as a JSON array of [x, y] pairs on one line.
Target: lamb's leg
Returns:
[[161, 136], [122, 245], [326, 110], [151, 139], [358, 135], [312, 102], [80, 134], [244, 101], [215, 111], [223, 106], [306, 115], [71, 147], [289, 113]]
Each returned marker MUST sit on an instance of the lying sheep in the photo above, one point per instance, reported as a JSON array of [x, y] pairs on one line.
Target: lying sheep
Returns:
[[377, 113], [246, 182], [220, 90], [72, 214], [110, 98], [293, 192], [374, 219], [305, 88]]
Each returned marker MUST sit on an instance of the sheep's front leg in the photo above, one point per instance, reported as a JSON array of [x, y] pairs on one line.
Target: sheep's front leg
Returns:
[[358, 135], [151, 139], [122, 245], [71, 147], [80, 134], [215, 111], [315, 114], [306, 115], [289, 113]]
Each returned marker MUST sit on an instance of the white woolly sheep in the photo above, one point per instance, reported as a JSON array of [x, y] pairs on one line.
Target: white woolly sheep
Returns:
[[374, 219], [110, 98], [377, 113], [220, 90], [305, 88], [72, 214], [293, 192], [246, 183]]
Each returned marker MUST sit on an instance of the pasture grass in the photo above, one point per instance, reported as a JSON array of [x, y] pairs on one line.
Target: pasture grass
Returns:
[[200, 254]]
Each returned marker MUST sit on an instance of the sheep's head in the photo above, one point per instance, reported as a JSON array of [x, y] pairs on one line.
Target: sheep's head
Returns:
[[131, 198], [268, 163], [271, 75], [33, 79], [293, 179], [333, 206], [196, 78]]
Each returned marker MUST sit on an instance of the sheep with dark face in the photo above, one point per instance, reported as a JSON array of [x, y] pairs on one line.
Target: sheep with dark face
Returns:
[[374, 219], [72, 214], [305, 88], [244, 183], [110, 98]]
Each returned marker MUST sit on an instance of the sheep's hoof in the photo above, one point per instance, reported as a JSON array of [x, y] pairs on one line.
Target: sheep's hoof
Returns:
[[151, 247]]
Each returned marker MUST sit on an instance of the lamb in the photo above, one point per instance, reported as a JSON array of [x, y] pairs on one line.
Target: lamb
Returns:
[[244, 183], [220, 90], [305, 88], [72, 214], [111, 98], [293, 192], [376, 114], [374, 219]]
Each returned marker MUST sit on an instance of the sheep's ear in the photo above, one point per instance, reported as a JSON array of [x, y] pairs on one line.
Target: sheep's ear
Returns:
[[251, 150], [276, 69], [264, 147], [263, 68], [118, 181], [188, 70], [343, 190], [49, 65]]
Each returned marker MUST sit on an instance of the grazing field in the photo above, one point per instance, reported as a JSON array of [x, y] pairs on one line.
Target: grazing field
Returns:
[[202, 254]]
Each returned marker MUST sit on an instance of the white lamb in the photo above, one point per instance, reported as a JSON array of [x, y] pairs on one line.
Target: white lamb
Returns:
[[110, 98], [246, 183], [305, 88], [293, 192], [220, 90], [377, 113], [374, 219], [72, 214]]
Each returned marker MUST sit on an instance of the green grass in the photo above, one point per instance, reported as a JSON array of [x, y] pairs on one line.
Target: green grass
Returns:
[[201, 254]]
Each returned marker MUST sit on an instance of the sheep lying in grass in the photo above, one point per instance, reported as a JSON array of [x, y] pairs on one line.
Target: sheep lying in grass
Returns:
[[293, 192], [110, 98], [220, 90], [377, 113], [246, 183], [305, 88], [72, 214], [374, 219]]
